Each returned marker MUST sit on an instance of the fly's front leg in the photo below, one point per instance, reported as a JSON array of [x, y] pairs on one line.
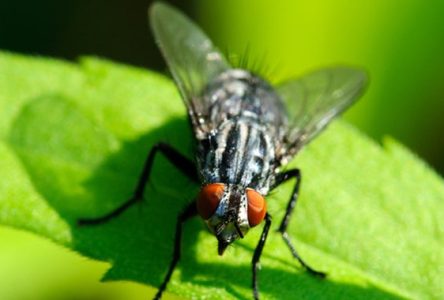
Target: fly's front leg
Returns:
[[281, 178], [186, 166], [189, 212], [257, 255]]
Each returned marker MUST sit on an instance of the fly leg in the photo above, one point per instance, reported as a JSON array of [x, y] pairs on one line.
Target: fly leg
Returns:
[[281, 178], [257, 254], [186, 166], [189, 212]]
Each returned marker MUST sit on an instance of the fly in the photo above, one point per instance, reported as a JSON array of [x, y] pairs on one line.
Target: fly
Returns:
[[245, 131]]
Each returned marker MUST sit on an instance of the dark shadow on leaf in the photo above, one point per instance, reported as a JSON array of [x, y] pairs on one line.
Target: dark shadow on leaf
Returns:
[[139, 243]]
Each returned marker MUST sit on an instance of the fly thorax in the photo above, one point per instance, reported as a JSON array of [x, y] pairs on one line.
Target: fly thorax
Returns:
[[240, 152]]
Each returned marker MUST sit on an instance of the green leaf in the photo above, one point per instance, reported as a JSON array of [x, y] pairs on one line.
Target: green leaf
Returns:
[[73, 141]]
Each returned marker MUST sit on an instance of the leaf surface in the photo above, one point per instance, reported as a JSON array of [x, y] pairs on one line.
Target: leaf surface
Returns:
[[74, 137]]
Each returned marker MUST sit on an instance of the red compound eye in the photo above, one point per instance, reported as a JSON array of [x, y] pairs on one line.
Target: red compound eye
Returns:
[[209, 198], [257, 207]]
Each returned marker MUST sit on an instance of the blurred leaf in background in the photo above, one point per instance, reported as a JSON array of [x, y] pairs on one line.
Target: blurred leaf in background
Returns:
[[33, 268], [401, 43]]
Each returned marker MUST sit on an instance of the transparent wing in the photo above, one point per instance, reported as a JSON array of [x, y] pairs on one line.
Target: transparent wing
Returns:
[[315, 99], [189, 53]]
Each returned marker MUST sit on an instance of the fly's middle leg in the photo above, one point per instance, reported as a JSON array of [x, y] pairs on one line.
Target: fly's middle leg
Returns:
[[186, 166], [281, 178]]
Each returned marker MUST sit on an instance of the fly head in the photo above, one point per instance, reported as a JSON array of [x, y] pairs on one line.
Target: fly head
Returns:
[[230, 211]]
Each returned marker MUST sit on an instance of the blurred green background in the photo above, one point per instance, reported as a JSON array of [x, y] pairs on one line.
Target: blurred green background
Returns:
[[400, 43]]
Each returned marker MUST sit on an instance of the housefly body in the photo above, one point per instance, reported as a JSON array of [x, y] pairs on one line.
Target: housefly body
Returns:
[[245, 131]]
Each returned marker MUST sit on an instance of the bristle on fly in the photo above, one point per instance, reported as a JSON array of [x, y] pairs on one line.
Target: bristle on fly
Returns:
[[256, 63]]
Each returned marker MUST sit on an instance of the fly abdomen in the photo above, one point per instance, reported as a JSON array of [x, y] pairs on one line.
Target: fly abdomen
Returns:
[[238, 93]]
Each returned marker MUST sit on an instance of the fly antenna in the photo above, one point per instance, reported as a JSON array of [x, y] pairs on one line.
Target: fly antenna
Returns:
[[239, 231]]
